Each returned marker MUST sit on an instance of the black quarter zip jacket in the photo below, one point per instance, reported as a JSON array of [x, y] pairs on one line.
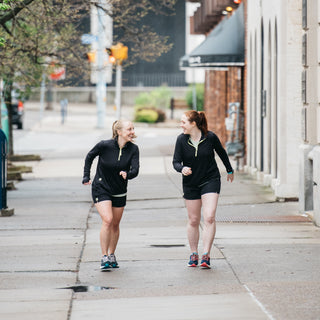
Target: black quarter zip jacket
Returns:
[[111, 161], [200, 159]]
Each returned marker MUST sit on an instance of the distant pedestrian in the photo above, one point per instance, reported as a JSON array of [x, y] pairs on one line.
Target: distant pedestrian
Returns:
[[194, 157], [118, 161]]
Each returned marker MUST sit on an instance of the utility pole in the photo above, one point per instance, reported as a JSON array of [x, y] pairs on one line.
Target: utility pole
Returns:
[[118, 89], [101, 27], [119, 52], [194, 92], [101, 86]]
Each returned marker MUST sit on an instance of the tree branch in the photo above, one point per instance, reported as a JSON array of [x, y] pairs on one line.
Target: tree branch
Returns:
[[10, 15]]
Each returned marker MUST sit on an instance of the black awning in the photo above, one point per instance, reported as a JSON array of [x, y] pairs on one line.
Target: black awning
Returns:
[[184, 62], [224, 46]]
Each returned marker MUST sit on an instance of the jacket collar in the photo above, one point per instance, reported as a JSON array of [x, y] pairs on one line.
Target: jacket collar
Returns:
[[117, 144], [203, 137]]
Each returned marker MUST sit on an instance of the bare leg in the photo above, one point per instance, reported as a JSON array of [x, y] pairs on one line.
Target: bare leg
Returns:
[[209, 207], [194, 216], [105, 210], [117, 215]]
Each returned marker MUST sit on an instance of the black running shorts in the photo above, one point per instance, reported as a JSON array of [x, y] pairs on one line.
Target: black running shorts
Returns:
[[195, 192], [116, 201]]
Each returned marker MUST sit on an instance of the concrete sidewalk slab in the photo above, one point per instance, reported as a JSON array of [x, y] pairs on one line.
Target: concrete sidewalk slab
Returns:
[[36, 280], [203, 307], [34, 304], [257, 265], [152, 275], [272, 233]]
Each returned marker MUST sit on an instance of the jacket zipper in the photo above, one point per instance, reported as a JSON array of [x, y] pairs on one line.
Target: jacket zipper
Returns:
[[196, 147], [120, 154]]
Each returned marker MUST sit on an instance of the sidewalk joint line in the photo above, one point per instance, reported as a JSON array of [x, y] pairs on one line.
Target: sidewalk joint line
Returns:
[[255, 299], [79, 260], [248, 290]]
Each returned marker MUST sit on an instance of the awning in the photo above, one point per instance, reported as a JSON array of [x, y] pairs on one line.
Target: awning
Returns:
[[184, 62], [224, 46]]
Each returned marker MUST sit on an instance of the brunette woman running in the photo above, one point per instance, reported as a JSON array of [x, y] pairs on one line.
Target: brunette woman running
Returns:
[[194, 157]]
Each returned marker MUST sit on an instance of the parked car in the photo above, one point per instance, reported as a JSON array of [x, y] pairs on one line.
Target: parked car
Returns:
[[17, 110]]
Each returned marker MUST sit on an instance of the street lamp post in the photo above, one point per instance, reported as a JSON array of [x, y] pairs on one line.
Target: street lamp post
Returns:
[[101, 94], [118, 89]]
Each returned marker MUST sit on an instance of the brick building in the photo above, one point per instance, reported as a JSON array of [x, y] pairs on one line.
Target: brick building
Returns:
[[221, 55]]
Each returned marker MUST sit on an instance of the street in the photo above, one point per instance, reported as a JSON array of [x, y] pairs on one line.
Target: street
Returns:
[[266, 256]]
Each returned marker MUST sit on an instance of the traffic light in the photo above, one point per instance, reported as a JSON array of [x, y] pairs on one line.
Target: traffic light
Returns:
[[91, 56], [117, 53], [112, 59]]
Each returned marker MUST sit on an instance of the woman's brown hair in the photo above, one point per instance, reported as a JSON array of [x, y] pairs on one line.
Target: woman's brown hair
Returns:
[[199, 117]]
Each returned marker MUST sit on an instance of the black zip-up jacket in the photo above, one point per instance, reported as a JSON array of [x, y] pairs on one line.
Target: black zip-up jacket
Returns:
[[200, 159], [111, 161]]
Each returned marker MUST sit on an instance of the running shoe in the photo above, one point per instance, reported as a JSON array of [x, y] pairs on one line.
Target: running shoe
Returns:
[[193, 262], [105, 263], [205, 261], [113, 261]]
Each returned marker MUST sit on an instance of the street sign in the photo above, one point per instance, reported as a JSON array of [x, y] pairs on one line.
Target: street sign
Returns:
[[58, 73], [88, 38], [229, 122]]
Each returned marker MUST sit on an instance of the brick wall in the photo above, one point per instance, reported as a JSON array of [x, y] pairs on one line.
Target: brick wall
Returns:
[[221, 88]]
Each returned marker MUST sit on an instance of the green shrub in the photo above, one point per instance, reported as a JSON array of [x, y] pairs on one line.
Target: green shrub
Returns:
[[149, 115], [146, 115], [200, 96]]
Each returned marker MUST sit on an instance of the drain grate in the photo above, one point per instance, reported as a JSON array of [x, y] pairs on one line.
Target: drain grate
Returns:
[[167, 245], [81, 288]]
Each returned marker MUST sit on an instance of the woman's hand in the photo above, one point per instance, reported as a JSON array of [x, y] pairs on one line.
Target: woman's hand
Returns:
[[230, 177], [186, 171], [87, 183], [123, 174]]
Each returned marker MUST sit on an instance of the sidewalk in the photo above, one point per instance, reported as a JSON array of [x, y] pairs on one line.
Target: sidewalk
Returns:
[[266, 256]]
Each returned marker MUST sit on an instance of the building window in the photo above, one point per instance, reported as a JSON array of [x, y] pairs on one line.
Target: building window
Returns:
[[304, 50], [304, 14], [304, 86]]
